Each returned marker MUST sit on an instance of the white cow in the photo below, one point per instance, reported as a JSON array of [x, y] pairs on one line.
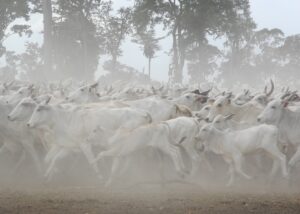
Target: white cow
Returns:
[[17, 138], [288, 123], [71, 125], [227, 123], [224, 106], [160, 109], [84, 94], [233, 145], [125, 143]]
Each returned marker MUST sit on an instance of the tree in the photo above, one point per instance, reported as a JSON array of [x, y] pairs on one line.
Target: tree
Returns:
[[202, 61], [189, 22], [149, 45], [9, 71], [76, 39], [31, 63], [48, 32], [10, 10], [116, 29], [289, 60]]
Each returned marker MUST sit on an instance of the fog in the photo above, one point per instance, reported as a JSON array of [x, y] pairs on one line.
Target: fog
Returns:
[[145, 106]]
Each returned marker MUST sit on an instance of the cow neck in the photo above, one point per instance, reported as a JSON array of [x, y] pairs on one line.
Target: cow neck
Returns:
[[240, 108], [63, 117], [216, 138], [288, 120]]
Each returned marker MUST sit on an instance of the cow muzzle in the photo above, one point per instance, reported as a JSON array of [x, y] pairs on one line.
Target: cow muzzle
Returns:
[[29, 125], [10, 118]]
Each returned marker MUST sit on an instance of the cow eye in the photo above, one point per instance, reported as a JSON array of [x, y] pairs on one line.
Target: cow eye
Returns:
[[219, 105], [82, 89], [188, 97], [273, 107], [207, 108]]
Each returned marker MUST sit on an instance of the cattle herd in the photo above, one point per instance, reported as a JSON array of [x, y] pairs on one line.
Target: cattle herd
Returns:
[[184, 128]]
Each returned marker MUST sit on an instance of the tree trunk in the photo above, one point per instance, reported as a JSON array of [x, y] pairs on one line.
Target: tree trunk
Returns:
[[176, 74], [181, 52], [149, 67], [47, 13], [114, 63]]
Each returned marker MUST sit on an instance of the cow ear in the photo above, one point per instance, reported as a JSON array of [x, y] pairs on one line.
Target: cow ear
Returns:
[[229, 117], [211, 101], [48, 100], [285, 104]]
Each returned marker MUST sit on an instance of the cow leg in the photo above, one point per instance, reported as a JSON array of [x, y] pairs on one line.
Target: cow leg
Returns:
[[231, 175], [177, 156], [160, 158], [20, 161], [278, 159], [51, 153], [206, 163], [230, 170], [238, 159], [174, 157], [31, 150], [295, 158], [109, 153], [275, 167], [114, 171], [3, 150], [87, 151], [59, 156]]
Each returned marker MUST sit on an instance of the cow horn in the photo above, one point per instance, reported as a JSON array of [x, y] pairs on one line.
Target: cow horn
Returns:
[[229, 117], [196, 92], [205, 93], [153, 90], [48, 100], [30, 86], [229, 95], [272, 89], [94, 85]]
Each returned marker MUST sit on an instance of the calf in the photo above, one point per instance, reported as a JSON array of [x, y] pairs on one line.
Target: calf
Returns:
[[233, 145]]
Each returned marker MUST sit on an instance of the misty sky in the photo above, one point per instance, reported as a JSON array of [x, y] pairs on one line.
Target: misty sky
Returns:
[[281, 14]]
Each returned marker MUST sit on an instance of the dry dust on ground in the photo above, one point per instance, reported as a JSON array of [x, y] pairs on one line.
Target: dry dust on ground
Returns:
[[140, 200]]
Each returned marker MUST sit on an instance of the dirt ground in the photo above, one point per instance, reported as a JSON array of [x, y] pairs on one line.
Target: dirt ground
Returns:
[[189, 200]]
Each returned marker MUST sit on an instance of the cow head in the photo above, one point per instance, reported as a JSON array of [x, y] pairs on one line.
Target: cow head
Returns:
[[84, 94], [242, 98], [205, 133], [220, 106], [273, 112], [41, 115], [220, 121], [20, 94], [23, 110], [203, 113]]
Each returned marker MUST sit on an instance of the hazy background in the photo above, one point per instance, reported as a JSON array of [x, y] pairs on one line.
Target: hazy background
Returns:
[[284, 15]]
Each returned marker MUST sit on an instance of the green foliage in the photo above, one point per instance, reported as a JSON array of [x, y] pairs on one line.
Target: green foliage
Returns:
[[10, 10]]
